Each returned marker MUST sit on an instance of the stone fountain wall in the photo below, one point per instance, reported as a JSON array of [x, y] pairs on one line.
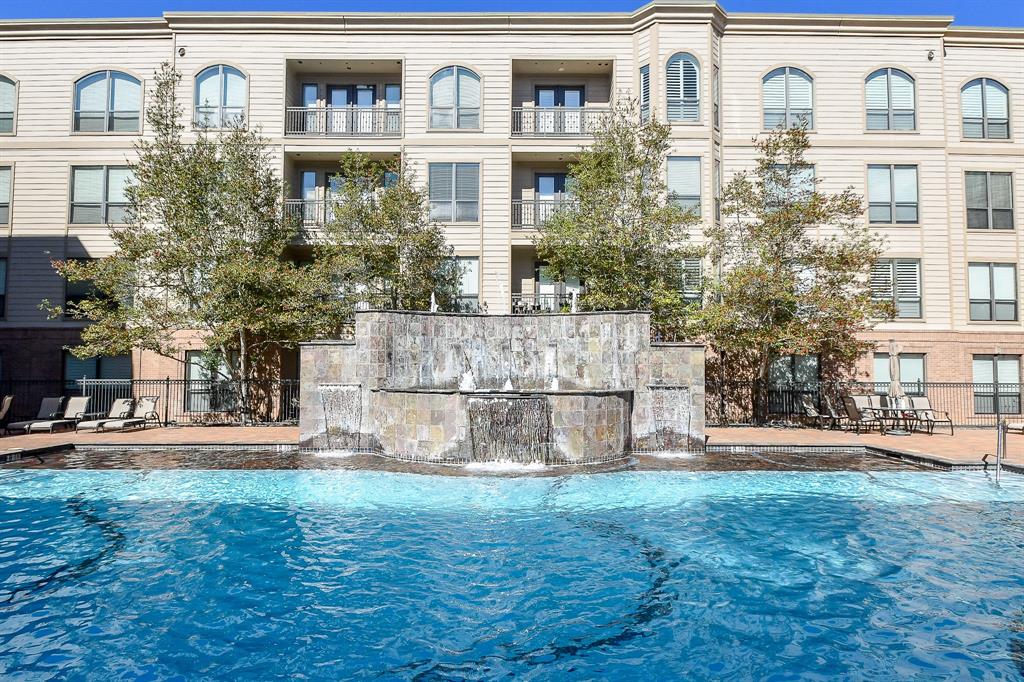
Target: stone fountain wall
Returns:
[[420, 376]]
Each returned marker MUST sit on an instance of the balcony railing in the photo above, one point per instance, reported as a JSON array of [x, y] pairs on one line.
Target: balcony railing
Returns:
[[311, 212], [557, 121], [343, 121], [529, 214], [528, 304]]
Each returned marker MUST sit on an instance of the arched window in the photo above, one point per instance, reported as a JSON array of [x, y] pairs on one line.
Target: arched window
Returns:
[[107, 102], [455, 98], [889, 98], [219, 97], [788, 98], [985, 106], [7, 102], [682, 87]]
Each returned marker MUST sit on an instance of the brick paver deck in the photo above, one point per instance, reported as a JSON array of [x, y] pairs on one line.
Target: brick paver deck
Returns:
[[967, 446]]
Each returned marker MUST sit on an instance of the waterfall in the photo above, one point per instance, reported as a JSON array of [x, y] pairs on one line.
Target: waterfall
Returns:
[[343, 413], [672, 416], [509, 428]]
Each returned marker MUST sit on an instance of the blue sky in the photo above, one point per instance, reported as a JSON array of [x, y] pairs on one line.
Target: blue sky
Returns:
[[967, 12]]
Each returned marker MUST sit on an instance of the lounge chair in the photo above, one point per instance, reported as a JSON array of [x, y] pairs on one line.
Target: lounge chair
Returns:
[[837, 416], [73, 413], [120, 409], [49, 408], [862, 416], [5, 411], [145, 412], [924, 412], [812, 414]]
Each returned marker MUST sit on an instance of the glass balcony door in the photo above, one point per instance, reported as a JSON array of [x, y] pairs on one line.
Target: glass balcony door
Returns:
[[350, 108], [549, 190], [559, 109]]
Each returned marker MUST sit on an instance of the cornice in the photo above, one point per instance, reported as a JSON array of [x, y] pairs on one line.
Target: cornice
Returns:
[[652, 13]]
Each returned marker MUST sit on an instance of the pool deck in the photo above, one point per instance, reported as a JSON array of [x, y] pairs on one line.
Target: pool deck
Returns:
[[967, 447]]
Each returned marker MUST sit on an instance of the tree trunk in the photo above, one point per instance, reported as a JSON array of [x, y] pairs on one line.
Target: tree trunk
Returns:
[[243, 374]]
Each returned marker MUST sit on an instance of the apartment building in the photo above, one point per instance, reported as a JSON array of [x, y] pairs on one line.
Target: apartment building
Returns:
[[924, 118]]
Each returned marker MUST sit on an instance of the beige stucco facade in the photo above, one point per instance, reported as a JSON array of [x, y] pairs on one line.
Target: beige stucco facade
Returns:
[[513, 57]]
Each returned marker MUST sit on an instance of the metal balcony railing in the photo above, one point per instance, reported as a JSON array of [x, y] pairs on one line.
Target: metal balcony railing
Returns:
[[557, 121], [343, 121], [311, 212], [528, 304], [529, 214]]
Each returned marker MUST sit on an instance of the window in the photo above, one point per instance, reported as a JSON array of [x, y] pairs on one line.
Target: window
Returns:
[[454, 192], [791, 377], [98, 194], [107, 102], [684, 182], [75, 293], [455, 98], [984, 105], [469, 284], [645, 92], [993, 291], [989, 200], [787, 98], [889, 97], [7, 105], [99, 367], [717, 180], [5, 195], [692, 281], [789, 184], [682, 87], [3, 288], [898, 280], [219, 97], [208, 388], [716, 96], [911, 373], [996, 384], [892, 194]]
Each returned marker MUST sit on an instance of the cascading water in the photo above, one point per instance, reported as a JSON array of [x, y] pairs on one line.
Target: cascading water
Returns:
[[673, 413], [343, 414], [510, 428]]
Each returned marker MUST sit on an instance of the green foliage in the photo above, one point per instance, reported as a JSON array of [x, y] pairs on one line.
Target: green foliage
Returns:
[[795, 266], [205, 250], [620, 235], [382, 242]]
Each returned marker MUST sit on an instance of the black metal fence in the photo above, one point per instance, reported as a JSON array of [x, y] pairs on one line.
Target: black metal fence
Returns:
[[968, 404], [179, 401]]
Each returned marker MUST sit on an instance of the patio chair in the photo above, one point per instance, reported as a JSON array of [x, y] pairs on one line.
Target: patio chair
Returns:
[[49, 408], [1015, 426], [5, 411], [862, 416], [838, 417], [144, 414], [811, 413], [73, 413], [924, 412], [120, 409]]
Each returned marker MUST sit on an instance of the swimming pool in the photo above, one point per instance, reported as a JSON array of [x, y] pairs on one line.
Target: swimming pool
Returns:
[[326, 574]]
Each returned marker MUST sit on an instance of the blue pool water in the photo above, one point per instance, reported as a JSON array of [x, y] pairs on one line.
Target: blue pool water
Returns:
[[642, 575]]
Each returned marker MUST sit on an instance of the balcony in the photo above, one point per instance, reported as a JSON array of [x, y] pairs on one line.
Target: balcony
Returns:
[[310, 212], [530, 214], [532, 304], [557, 121], [348, 121]]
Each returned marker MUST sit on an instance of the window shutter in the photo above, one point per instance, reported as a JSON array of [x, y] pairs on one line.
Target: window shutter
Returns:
[[876, 91], [5, 185], [1002, 192], [879, 190], [126, 94], [683, 176], [983, 367], [976, 190], [118, 180], [970, 100], [800, 96], [978, 282], [692, 279], [645, 86], [995, 100], [691, 89], [442, 89], [6, 95], [905, 184], [234, 88], [882, 288], [908, 288], [674, 88], [469, 89]]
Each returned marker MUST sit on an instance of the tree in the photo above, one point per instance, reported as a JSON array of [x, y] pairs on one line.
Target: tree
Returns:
[[621, 234], [794, 266], [204, 251], [383, 242]]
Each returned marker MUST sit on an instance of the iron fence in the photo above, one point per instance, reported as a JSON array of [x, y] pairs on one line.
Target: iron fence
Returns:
[[557, 121], [968, 404], [530, 214], [347, 121], [179, 401]]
